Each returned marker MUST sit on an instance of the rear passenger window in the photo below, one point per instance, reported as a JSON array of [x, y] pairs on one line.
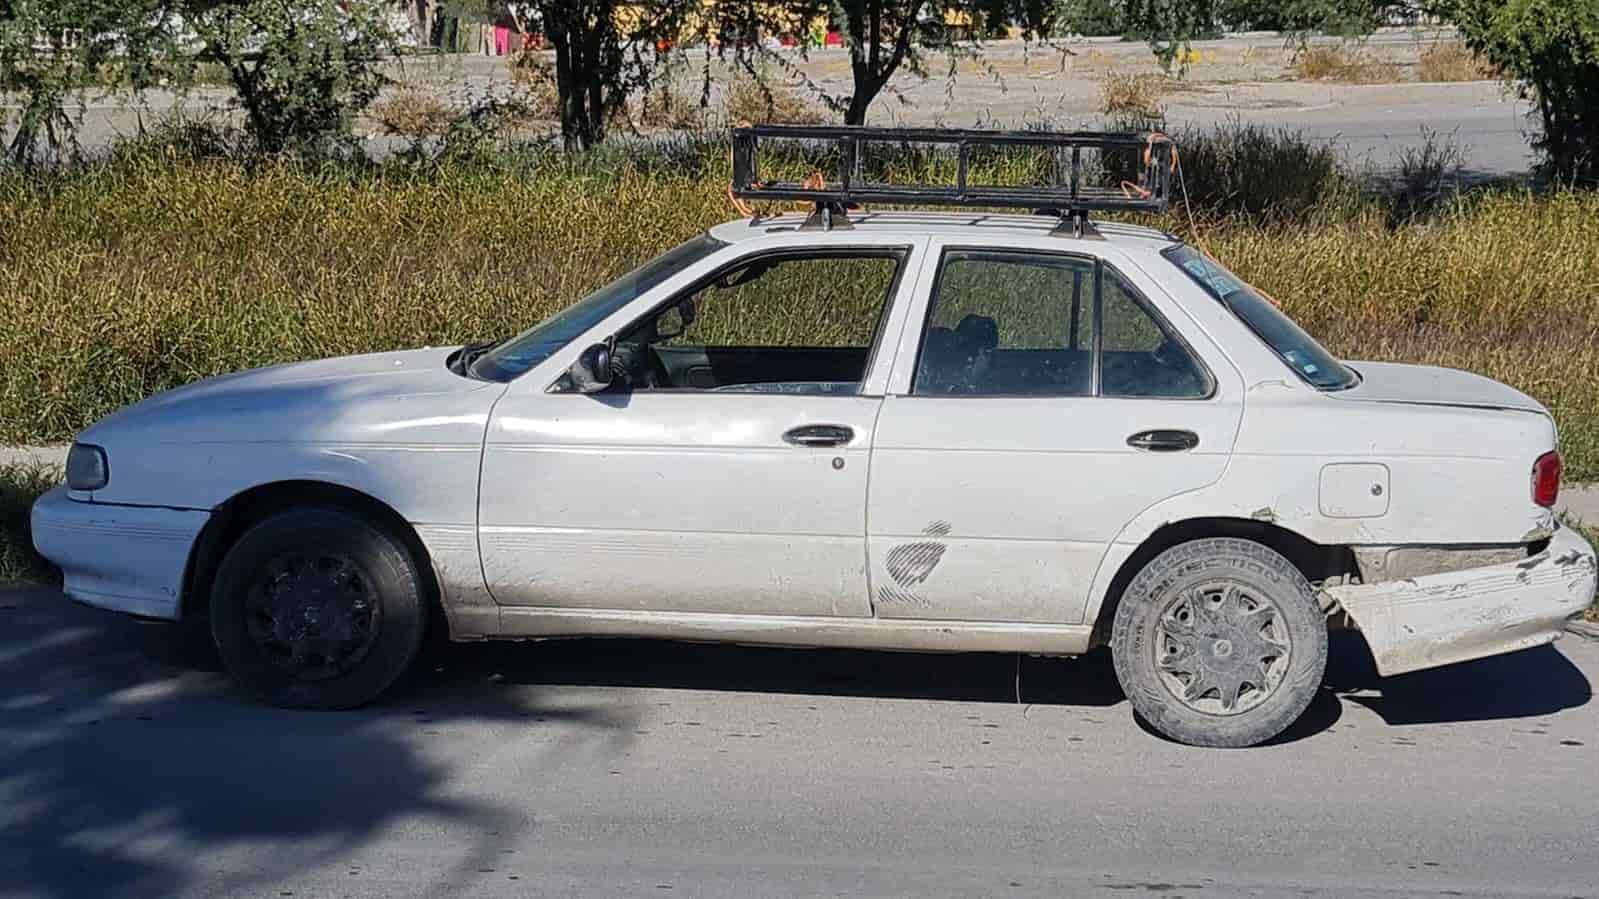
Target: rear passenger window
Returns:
[[1141, 357], [1007, 323]]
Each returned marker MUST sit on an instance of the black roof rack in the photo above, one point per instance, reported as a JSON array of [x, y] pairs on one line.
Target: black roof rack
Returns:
[[1152, 156]]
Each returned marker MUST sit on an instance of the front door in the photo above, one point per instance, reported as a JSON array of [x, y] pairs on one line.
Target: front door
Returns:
[[725, 469], [1045, 404]]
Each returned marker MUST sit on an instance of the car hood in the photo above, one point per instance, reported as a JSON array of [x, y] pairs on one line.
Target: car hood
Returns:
[[1389, 382], [294, 397]]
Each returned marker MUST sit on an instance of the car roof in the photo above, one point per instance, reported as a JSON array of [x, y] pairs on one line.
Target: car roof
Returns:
[[946, 224]]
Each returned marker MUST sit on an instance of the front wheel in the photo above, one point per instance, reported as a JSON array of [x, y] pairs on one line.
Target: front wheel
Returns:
[[318, 608], [1220, 642]]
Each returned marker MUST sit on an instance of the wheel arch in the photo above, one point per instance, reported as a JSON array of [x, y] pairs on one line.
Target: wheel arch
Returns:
[[230, 519], [1317, 562]]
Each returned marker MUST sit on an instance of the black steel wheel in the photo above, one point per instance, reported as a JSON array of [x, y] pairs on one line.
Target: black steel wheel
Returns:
[[318, 608], [314, 616], [1220, 642]]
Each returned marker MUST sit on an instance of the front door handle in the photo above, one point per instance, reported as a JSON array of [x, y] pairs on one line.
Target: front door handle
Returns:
[[820, 435], [1164, 441]]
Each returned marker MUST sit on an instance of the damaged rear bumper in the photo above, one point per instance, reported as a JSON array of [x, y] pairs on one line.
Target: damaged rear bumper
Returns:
[[1441, 619]]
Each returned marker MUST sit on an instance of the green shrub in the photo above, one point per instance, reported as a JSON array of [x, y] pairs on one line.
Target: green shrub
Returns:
[[1552, 48], [1586, 529], [55, 51], [20, 485], [302, 69], [1258, 172]]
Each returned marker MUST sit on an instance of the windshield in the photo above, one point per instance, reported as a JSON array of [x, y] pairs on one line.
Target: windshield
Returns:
[[1309, 360], [522, 352]]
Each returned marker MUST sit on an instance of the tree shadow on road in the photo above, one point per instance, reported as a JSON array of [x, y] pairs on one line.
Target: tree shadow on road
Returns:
[[126, 768], [1526, 684]]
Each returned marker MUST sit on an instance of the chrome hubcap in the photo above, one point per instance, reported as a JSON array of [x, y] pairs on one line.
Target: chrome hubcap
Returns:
[[1222, 649]]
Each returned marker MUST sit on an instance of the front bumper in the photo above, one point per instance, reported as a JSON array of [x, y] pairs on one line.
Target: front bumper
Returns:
[[124, 558], [1446, 618]]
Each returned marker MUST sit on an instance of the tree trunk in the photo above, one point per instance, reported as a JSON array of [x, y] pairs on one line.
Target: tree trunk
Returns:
[[870, 67], [422, 14], [430, 20], [855, 114], [577, 80]]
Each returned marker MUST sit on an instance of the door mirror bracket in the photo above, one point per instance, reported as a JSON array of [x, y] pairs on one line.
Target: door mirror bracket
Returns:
[[591, 372]]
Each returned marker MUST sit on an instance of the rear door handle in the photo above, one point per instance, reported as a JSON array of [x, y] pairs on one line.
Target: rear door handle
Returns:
[[1164, 441], [820, 435]]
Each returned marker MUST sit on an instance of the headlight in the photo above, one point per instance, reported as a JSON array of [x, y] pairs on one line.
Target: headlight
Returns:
[[87, 468]]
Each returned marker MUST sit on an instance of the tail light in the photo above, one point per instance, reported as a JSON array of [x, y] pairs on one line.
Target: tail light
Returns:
[[1546, 480]]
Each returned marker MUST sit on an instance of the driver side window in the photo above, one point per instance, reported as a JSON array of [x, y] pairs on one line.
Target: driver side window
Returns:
[[778, 323]]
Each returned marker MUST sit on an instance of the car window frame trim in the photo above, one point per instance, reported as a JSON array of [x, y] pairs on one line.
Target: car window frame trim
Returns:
[[901, 253], [1100, 265]]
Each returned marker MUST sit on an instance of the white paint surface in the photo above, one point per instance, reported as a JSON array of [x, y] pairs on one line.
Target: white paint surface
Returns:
[[555, 513]]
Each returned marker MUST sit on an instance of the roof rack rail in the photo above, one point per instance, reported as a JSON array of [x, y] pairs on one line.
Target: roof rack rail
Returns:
[[1150, 154]]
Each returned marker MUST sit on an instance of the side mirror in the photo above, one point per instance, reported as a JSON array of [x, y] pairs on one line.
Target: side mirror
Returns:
[[591, 373]]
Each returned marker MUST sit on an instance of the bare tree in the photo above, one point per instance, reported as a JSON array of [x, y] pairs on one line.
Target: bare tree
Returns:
[[605, 51]]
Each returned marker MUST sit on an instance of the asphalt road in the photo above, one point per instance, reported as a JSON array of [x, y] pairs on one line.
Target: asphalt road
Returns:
[[129, 767], [1375, 126]]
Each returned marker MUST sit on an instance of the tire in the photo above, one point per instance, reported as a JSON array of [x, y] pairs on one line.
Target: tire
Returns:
[[318, 608], [1186, 636]]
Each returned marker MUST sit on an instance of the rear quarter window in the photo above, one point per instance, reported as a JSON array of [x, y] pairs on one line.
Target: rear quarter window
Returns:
[[1309, 360]]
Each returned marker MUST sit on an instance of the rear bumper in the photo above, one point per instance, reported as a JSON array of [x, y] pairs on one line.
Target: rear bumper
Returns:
[[124, 558], [1441, 619]]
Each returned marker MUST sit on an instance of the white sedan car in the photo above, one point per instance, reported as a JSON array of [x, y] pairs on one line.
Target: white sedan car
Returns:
[[916, 431]]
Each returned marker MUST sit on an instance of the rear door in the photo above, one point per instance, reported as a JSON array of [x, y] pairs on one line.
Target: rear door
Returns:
[[1039, 401]]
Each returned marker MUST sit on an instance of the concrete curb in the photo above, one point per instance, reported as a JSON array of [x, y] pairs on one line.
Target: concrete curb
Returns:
[[34, 455], [1587, 630]]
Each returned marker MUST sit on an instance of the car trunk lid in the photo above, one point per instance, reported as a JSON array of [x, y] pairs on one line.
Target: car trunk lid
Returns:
[[1388, 382]]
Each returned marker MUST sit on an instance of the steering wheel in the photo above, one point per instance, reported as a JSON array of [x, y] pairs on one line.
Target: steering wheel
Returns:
[[658, 375], [633, 366]]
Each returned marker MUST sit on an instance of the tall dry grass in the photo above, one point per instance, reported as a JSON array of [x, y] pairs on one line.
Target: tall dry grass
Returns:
[[1335, 62], [1452, 61], [767, 101], [1133, 96], [134, 277]]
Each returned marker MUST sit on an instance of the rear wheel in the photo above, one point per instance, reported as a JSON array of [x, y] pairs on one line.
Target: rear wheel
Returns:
[[318, 608], [1220, 642]]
